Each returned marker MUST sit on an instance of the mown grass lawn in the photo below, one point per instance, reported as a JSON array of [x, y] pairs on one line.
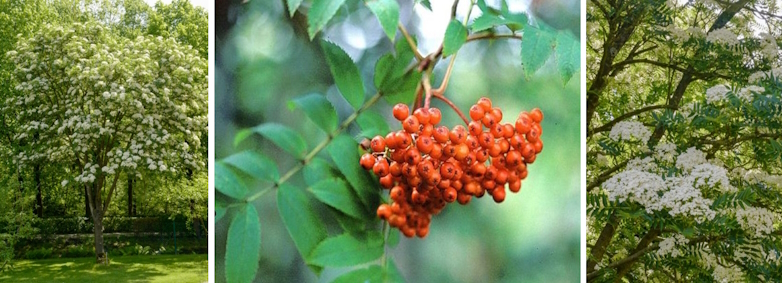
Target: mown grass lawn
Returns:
[[159, 268]]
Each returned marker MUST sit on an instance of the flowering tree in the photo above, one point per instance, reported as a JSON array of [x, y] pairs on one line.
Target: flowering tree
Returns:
[[684, 138], [107, 106]]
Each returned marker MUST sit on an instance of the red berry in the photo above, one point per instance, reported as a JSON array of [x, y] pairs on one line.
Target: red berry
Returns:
[[367, 161], [435, 116], [476, 112], [422, 116], [401, 111], [536, 115], [410, 124], [485, 103], [378, 144]]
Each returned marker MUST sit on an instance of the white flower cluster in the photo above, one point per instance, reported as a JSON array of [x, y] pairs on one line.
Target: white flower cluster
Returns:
[[768, 46], [665, 151], [636, 186], [645, 164], [710, 176], [684, 199], [690, 158], [668, 246], [748, 93], [776, 72], [125, 105], [602, 160], [756, 176], [628, 130], [722, 36], [757, 219], [682, 35], [728, 274], [717, 93]]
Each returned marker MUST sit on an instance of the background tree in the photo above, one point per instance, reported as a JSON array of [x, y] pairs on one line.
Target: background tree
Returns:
[[110, 105], [683, 140]]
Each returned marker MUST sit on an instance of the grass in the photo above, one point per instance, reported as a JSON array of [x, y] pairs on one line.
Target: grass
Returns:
[[160, 268]]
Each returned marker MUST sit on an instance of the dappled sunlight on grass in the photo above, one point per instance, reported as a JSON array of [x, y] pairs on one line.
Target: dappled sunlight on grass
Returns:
[[163, 268]]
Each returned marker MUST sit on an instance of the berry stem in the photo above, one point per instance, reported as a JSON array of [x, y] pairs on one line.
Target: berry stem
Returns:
[[374, 99], [441, 90], [419, 90], [427, 88], [453, 106], [410, 42]]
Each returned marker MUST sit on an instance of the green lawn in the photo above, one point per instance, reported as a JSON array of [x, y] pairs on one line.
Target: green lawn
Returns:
[[160, 268]]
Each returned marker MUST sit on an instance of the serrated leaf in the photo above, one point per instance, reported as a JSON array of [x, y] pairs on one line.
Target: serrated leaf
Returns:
[[390, 77], [292, 6], [487, 21], [568, 52], [346, 74], [387, 12], [300, 219], [536, 48], [318, 109], [318, 169], [254, 164], [320, 13], [350, 224], [370, 274], [228, 183], [455, 36], [336, 193], [344, 151], [372, 124], [242, 251], [347, 250], [282, 136]]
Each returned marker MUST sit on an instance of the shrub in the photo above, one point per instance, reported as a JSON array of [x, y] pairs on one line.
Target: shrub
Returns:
[[39, 253]]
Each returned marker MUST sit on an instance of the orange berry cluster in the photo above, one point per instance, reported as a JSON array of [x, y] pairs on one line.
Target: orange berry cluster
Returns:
[[426, 166]]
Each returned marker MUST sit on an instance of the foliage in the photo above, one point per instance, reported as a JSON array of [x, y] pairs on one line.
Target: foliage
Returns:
[[325, 200], [683, 135]]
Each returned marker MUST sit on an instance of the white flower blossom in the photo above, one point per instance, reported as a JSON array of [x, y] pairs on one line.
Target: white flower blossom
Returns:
[[756, 219], [668, 246], [628, 130], [690, 158], [722, 36], [717, 93]]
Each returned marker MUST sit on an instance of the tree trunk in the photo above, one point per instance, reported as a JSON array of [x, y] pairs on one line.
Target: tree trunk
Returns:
[[196, 220], [100, 253], [87, 212], [130, 196], [38, 195]]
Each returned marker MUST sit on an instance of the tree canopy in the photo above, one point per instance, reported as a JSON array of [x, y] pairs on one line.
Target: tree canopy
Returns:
[[684, 140]]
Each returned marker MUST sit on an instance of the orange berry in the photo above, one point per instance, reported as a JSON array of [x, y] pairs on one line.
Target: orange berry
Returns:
[[367, 161], [523, 123], [461, 152], [498, 194], [475, 128], [403, 139], [395, 169], [401, 111], [458, 135], [441, 134], [435, 116], [412, 156], [536, 115], [515, 186], [449, 195], [411, 124], [378, 144], [463, 198], [381, 167], [422, 116], [476, 112], [383, 211], [424, 144], [489, 120], [387, 181], [485, 103], [497, 113]]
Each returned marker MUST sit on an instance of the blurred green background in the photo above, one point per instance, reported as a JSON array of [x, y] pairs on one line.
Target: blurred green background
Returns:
[[264, 58]]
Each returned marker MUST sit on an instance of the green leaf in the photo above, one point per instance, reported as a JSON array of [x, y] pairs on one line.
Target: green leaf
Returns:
[[344, 151], [536, 48], [387, 12], [455, 36], [299, 217], [346, 74], [318, 109], [220, 210], [280, 135], [370, 274], [392, 273], [254, 164], [292, 6], [350, 224], [372, 124], [567, 51], [390, 77], [426, 4], [318, 169], [320, 13], [228, 183], [393, 238], [487, 21], [242, 251], [346, 250], [335, 193]]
